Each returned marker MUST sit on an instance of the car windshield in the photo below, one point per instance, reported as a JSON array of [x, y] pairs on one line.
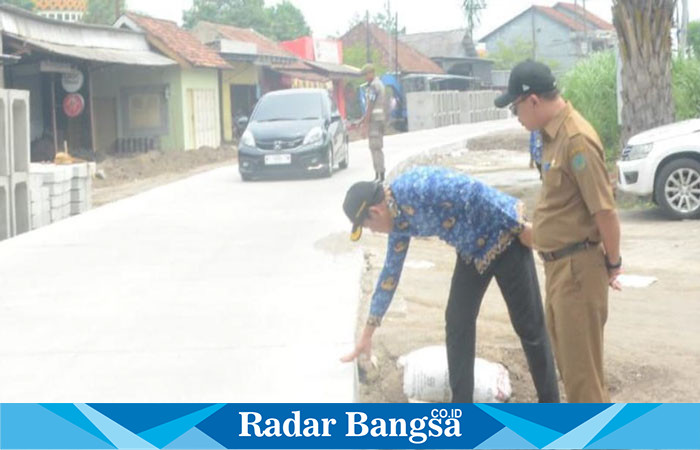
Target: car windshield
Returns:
[[301, 106]]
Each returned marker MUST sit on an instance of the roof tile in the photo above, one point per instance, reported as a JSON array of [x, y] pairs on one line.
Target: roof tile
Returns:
[[179, 41]]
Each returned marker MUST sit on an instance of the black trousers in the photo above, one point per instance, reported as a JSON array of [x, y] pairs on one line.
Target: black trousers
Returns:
[[515, 273]]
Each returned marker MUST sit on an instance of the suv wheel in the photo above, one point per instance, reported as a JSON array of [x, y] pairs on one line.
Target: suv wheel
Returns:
[[678, 188]]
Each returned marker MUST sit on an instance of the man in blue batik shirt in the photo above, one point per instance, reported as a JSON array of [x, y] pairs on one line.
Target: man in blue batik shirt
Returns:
[[491, 237]]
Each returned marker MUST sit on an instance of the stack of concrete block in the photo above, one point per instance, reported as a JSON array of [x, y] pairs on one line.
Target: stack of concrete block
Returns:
[[81, 188], [428, 110], [477, 106], [14, 163], [420, 107], [60, 191], [40, 198], [56, 180]]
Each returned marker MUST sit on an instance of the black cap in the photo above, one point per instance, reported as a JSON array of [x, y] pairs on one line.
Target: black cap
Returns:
[[359, 198], [527, 77]]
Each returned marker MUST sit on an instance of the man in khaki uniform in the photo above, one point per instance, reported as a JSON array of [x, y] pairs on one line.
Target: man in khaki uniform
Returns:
[[374, 118], [575, 229]]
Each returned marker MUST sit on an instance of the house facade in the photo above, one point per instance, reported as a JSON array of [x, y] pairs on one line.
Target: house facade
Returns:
[[181, 103], [559, 35], [454, 52], [61, 64]]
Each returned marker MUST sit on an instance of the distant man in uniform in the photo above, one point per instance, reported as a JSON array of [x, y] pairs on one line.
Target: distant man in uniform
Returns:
[[576, 228], [488, 231], [374, 119]]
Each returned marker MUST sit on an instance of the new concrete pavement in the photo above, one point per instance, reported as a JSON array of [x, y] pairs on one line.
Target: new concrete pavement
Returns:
[[204, 290]]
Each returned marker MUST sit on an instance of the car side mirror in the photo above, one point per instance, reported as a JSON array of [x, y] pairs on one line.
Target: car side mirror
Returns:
[[335, 117], [242, 122]]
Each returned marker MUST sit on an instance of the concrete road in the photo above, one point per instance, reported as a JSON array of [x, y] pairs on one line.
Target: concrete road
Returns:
[[204, 290]]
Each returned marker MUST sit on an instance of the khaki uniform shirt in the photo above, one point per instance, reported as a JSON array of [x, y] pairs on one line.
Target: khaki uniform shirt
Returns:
[[575, 183], [375, 95]]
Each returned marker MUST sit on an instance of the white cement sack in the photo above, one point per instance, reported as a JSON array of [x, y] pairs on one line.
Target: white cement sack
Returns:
[[426, 379]]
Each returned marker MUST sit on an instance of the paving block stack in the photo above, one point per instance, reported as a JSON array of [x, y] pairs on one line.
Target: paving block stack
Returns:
[[60, 191], [81, 187], [40, 200]]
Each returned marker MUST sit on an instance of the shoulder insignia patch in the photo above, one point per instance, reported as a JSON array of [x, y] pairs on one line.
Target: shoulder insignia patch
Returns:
[[578, 162]]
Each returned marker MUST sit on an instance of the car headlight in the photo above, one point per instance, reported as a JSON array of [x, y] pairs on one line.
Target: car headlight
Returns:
[[637, 152], [247, 139], [314, 136]]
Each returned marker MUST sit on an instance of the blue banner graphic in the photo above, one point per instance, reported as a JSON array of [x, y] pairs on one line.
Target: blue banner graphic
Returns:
[[349, 426]]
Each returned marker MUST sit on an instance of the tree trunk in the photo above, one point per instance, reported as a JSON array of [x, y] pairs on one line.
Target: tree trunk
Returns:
[[644, 31]]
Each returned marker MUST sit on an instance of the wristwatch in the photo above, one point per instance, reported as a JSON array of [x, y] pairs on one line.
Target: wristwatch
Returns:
[[610, 266]]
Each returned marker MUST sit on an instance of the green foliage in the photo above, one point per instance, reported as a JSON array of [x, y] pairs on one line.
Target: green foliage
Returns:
[[287, 22], [281, 22], [356, 55], [24, 4], [694, 38], [509, 54], [591, 86], [686, 88], [472, 11], [102, 11]]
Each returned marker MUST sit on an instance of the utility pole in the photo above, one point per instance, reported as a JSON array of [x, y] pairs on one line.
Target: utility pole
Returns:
[[369, 53], [389, 33], [117, 10], [396, 47]]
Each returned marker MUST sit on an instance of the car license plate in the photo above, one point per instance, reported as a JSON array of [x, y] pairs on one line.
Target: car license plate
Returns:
[[277, 160]]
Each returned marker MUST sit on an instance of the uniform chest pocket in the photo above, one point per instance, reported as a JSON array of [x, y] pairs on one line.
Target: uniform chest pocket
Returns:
[[552, 176]]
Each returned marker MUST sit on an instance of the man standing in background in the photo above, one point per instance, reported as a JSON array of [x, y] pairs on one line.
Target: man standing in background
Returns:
[[374, 119]]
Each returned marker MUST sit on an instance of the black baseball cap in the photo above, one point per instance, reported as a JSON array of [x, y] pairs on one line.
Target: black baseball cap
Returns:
[[527, 77], [359, 198]]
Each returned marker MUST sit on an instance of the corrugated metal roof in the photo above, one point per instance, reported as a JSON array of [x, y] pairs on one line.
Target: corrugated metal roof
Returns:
[[105, 55]]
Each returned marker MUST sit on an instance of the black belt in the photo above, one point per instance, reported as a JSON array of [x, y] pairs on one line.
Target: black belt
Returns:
[[566, 251]]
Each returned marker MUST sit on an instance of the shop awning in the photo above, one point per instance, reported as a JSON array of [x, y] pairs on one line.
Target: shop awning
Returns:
[[334, 69], [99, 54]]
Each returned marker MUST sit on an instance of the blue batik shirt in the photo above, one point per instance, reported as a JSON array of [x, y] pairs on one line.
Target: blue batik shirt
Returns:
[[536, 146], [479, 221]]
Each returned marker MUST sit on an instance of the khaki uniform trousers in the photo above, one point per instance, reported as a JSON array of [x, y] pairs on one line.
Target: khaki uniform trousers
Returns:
[[376, 144], [576, 310]]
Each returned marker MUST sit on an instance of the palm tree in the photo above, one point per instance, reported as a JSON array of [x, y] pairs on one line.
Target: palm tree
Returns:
[[644, 32], [472, 9]]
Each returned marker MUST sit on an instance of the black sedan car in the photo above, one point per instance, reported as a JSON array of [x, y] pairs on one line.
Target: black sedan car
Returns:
[[293, 131]]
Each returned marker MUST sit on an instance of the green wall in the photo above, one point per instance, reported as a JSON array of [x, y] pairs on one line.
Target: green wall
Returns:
[[109, 82], [198, 79]]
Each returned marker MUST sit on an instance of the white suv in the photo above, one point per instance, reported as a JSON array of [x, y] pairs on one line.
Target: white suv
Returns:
[[664, 164]]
